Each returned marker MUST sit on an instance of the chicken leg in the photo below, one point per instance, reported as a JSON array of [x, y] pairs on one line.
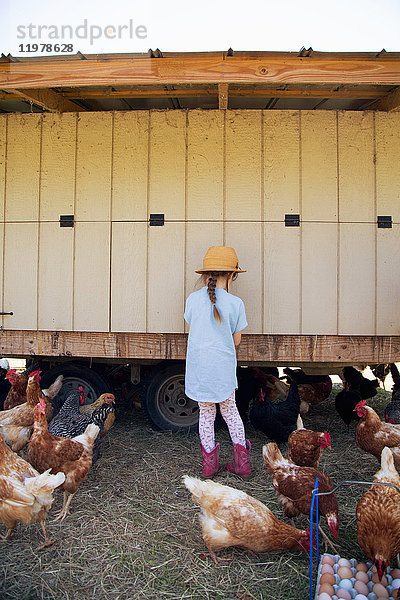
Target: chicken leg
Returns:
[[46, 542], [65, 508]]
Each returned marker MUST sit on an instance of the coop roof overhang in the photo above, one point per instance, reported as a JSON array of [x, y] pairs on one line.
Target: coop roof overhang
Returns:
[[106, 82]]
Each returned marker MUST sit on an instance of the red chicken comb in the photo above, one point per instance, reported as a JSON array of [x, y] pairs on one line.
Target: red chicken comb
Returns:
[[11, 373], [35, 375], [82, 395], [326, 440], [360, 404]]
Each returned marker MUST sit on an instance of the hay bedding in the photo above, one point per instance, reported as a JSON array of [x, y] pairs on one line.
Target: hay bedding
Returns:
[[133, 531]]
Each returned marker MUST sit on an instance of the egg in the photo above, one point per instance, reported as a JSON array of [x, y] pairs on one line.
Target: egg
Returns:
[[375, 579], [325, 587], [324, 596], [345, 584], [360, 597], [345, 573], [343, 594], [372, 596], [343, 562], [326, 569], [328, 559], [362, 567], [395, 573], [380, 591], [362, 576], [361, 588], [395, 583], [327, 578]]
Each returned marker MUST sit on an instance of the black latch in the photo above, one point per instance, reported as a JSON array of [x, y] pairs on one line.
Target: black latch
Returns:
[[292, 220], [66, 220], [156, 220], [384, 222]]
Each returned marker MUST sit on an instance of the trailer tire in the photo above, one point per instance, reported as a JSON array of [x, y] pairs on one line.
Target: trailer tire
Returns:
[[75, 376], [164, 402]]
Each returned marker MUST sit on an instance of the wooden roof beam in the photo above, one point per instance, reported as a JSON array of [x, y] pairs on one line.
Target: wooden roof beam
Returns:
[[390, 103], [47, 99], [201, 69]]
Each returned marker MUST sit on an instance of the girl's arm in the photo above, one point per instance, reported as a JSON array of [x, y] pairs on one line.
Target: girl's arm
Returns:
[[237, 337]]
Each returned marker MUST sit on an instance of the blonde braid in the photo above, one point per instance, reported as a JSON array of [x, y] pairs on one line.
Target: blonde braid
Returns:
[[211, 283]]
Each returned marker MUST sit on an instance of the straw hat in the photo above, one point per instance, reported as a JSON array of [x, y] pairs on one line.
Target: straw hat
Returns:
[[220, 258]]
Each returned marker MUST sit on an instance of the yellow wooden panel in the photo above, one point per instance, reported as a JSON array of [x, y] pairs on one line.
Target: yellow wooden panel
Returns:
[[243, 165], [319, 166], [55, 277], [3, 142], [281, 164], [319, 278], [167, 163], [388, 281], [282, 290], [357, 282], [23, 165], [91, 277], [128, 277], [57, 184], [130, 165], [248, 286], [20, 275], [199, 237], [93, 167], [205, 168], [356, 167], [387, 127], [2, 323], [165, 280]]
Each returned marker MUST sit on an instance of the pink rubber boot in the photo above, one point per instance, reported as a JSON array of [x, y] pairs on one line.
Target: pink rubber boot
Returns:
[[241, 461], [211, 464]]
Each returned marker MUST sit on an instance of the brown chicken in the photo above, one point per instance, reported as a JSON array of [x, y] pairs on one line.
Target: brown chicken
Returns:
[[25, 495], [89, 409], [305, 446], [294, 486], [378, 516], [16, 424], [17, 393], [372, 435], [313, 389], [71, 456], [230, 517]]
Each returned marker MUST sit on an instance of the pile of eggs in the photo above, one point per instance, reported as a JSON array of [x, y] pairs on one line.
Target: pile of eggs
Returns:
[[342, 579]]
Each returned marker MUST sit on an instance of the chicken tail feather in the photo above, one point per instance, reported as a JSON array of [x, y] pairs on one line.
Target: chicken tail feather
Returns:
[[272, 456]]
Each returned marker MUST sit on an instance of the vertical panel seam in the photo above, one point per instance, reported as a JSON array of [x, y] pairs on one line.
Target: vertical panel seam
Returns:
[[146, 300], [38, 228], [4, 219], [74, 232], [301, 228], [338, 226], [375, 229], [186, 212], [262, 228], [110, 230], [224, 179]]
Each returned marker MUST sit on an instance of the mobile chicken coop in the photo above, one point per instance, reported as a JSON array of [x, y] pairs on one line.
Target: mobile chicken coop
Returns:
[[117, 172]]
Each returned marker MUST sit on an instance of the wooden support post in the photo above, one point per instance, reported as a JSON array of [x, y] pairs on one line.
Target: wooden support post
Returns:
[[223, 95]]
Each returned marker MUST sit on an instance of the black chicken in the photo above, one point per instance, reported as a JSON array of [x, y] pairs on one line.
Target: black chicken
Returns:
[[276, 419], [368, 387], [356, 388], [392, 411]]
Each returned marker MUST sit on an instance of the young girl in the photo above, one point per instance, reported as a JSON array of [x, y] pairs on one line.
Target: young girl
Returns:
[[216, 320]]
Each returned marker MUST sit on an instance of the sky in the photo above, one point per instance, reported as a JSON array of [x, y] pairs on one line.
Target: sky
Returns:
[[201, 25]]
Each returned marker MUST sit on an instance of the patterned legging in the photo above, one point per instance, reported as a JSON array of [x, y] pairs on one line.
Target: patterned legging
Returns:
[[230, 414]]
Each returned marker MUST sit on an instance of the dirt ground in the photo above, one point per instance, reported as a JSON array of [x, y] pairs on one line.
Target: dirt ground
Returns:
[[133, 532]]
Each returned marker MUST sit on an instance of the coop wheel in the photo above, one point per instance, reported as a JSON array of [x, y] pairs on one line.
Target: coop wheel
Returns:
[[74, 377], [164, 401]]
